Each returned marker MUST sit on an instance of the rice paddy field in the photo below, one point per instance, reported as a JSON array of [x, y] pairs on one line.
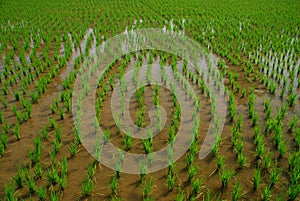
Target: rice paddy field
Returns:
[[255, 48]]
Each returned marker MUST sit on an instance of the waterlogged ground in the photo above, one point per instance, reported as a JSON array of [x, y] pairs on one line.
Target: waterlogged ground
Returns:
[[82, 29]]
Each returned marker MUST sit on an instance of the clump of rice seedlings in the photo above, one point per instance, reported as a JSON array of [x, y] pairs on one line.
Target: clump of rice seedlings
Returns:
[[171, 179], [6, 128], [147, 189], [53, 123], [225, 176], [267, 193], [220, 162], [148, 145], [282, 148], [30, 183], [215, 148], [41, 193], [260, 148], [291, 98], [293, 187], [192, 172], [127, 141], [64, 167], [34, 97], [113, 185], [61, 113], [254, 119], [52, 174], [17, 95], [267, 160], [58, 134], [180, 196], [38, 171], [56, 145], [87, 186], [10, 193], [237, 192], [35, 154], [196, 185], [118, 167], [256, 178], [106, 135], [143, 169], [98, 152], [293, 123], [17, 131], [241, 160], [19, 178], [244, 91], [189, 159], [251, 100], [44, 132], [274, 175]]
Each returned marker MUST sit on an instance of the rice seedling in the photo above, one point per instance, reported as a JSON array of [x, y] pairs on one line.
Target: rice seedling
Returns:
[[52, 174], [17, 95], [38, 172], [62, 182], [196, 185], [220, 162], [56, 145], [225, 176], [254, 119], [106, 135], [260, 149], [241, 160], [147, 191], [192, 172], [17, 132], [282, 148], [171, 179], [267, 193], [113, 185], [19, 178], [64, 167], [10, 193], [274, 175], [215, 148], [61, 113], [44, 132], [42, 193], [6, 128], [256, 178], [291, 98], [267, 160], [189, 159], [143, 170], [293, 123], [87, 187], [30, 183], [237, 192], [244, 92], [35, 154], [34, 97], [53, 123], [127, 141]]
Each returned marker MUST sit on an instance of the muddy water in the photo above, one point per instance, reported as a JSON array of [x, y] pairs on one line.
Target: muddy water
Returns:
[[17, 151], [129, 186]]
